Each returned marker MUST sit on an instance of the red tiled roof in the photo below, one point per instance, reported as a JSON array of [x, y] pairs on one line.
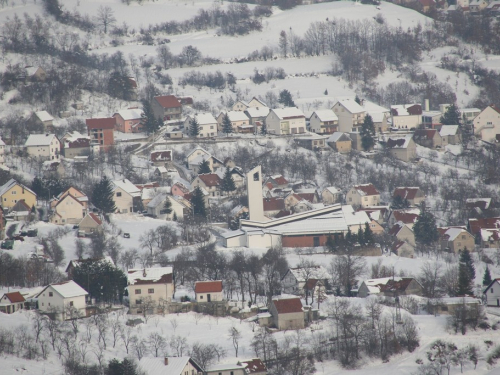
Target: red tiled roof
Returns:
[[15, 297], [406, 192], [425, 133], [101, 123], [168, 101], [396, 245], [95, 218], [208, 286], [405, 217], [288, 305], [368, 189], [165, 279], [280, 180], [274, 204], [307, 196], [476, 225], [210, 179], [80, 142], [399, 285], [255, 365], [395, 229], [185, 100], [164, 155]]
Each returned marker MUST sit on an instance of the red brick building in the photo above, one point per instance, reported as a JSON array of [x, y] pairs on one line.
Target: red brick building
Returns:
[[100, 131]]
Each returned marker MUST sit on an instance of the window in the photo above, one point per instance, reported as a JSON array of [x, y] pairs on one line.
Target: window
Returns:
[[151, 291], [71, 303], [256, 176], [118, 194], [138, 301], [14, 192], [463, 237], [201, 297], [51, 294], [315, 241], [491, 290], [137, 291]]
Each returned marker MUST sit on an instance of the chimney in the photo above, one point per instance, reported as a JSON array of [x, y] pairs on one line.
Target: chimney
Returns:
[[427, 105], [144, 273], [166, 361]]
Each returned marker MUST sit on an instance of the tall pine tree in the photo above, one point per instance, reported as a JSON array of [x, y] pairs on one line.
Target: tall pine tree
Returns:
[[425, 228], [227, 126], [367, 133], [263, 129], [285, 98], [466, 273], [204, 167], [227, 184], [368, 234], [487, 277], [167, 207], [194, 127], [150, 123], [451, 116], [198, 203], [103, 196]]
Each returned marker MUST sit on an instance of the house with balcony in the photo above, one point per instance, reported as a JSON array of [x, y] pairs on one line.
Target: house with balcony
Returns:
[[324, 121], [351, 115], [286, 121], [100, 131], [167, 108], [43, 146], [150, 288]]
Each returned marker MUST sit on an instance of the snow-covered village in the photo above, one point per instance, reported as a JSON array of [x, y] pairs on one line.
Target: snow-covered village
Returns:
[[287, 187]]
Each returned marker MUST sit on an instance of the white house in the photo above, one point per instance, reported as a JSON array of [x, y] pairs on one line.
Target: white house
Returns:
[[207, 123], [61, 297], [150, 288], [363, 195], [492, 293], [351, 115], [487, 124], [180, 207], [11, 302], [170, 366], [208, 291], [68, 210], [239, 120], [124, 195], [295, 279], [324, 121], [286, 121], [45, 146], [406, 116]]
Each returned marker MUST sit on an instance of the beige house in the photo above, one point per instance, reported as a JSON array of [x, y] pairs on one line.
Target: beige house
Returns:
[[455, 239], [197, 156], [61, 297], [90, 224], [125, 195], [239, 121], [211, 182], [11, 302], [242, 105], [74, 192], [413, 195], [406, 116], [331, 195], [403, 233], [340, 142], [390, 287], [286, 121], [451, 133], [403, 249], [351, 115], [257, 115], [487, 124], [68, 210], [180, 207], [402, 147], [207, 123], [150, 288], [12, 192], [167, 107], [324, 121], [170, 366], [287, 313], [129, 120], [208, 291], [44, 119], [430, 138], [363, 195], [44, 146]]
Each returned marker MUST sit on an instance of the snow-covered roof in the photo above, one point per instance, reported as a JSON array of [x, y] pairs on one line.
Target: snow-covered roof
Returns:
[[130, 114], [326, 115], [9, 184], [399, 141], [157, 366], [406, 110], [159, 199], [44, 116], [351, 105], [458, 300], [236, 115], [448, 130], [68, 289], [226, 367], [198, 149], [333, 189], [336, 136], [128, 187], [257, 111], [150, 275], [205, 118], [453, 233], [39, 140], [73, 136], [288, 112], [374, 110]]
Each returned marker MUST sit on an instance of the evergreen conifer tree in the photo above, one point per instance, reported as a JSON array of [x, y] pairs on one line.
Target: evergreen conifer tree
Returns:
[[227, 184], [361, 237], [285, 98], [487, 277], [204, 167], [368, 234], [194, 128], [399, 202], [227, 126], [167, 206], [102, 196], [198, 203], [425, 228], [451, 116], [263, 129], [367, 133], [148, 117], [466, 273]]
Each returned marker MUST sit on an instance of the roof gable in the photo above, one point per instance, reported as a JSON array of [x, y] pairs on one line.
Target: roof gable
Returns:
[[287, 305], [14, 297], [168, 101], [208, 286]]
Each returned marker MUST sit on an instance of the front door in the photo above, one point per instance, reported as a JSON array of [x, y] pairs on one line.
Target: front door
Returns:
[[498, 302], [208, 298]]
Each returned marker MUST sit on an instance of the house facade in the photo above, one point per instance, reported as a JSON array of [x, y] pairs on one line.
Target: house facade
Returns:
[[100, 131], [60, 297], [492, 293], [455, 239], [287, 313], [68, 210], [487, 124], [129, 120], [350, 115], [208, 291], [331, 195], [413, 195], [286, 121], [206, 122], [43, 146], [402, 147], [125, 195], [11, 302], [239, 121], [12, 192], [340, 142], [363, 195], [150, 288], [75, 144], [211, 182], [406, 116], [91, 223], [167, 108], [324, 122]]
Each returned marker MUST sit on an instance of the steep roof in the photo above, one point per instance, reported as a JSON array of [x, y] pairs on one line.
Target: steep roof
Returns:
[[101, 123], [366, 189], [287, 305], [406, 192], [127, 186], [210, 179], [475, 225], [39, 140], [156, 365], [338, 136], [130, 114], [452, 233], [157, 275], [168, 101], [288, 113], [208, 286], [15, 297], [399, 141], [67, 289], [156, 201], [396, 228], [95, 218], [44, 116], [11, 183], [274, 204], [351, 105], [257, 111], [326, 115]]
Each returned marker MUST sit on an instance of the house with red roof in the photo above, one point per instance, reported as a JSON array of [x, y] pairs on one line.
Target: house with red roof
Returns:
[[476, 226], [150, 288], [91, 223], [492, 293], [208, 291], [390, 287], [403, 249], [211, 182], [273, 205], [100, 131], [167, 107], [490, 238], [287, 313], [402, 232], [11, 302], [413, 195], [408, 216], [429, 138], [487, 124], [276, 181], [363, 195]]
